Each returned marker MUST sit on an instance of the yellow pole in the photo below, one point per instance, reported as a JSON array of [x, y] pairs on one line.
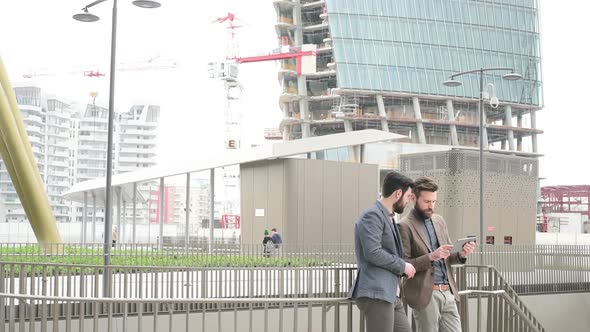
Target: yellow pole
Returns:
[[6, 156], [19, 122], [22, 167], [11, 171]]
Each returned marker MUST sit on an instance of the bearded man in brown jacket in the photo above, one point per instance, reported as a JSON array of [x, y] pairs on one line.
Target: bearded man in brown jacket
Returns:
[[432, 293]]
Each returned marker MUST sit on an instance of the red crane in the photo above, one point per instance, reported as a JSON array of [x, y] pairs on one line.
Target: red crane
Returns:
[[92, 73], [232, 47], [231, 17], [279, 54], [150, 64], [294, 54]]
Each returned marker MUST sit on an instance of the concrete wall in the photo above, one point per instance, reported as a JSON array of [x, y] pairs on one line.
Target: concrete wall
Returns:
[[565, 223], [561, 312], [563, 239], [555, 312], [308, 201], [510, 192]]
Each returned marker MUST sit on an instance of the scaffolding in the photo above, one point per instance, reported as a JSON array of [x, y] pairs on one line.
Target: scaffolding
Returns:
[[566, 199]]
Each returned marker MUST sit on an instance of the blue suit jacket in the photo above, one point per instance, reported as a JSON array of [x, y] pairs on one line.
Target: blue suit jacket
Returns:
[[378, 252]]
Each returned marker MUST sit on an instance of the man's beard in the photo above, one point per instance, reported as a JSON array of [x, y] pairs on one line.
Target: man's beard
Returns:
[[398, 207], [426, 214]]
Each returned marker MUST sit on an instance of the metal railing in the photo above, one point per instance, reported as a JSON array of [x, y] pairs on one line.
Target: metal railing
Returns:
[[166, 304], [505, 311], [529, 269], [254, 280], [48, 279], [539, 269], [198, 254], [40, 313], [504, 314]]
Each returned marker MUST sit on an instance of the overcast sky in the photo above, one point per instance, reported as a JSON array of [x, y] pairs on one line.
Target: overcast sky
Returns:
[[38, 36]]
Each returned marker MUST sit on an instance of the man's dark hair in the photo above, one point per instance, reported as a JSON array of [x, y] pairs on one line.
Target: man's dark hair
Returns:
[[274, 229], [424, 183], [394, 181]]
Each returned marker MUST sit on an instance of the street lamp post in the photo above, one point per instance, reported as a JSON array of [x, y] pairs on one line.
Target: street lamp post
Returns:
[[451, 82], [85, 16]]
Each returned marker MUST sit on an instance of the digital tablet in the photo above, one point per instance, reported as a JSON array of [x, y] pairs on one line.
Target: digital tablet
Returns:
[[461, 242]]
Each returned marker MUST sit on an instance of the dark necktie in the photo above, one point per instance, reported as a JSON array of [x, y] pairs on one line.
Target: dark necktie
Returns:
[[395, 233]]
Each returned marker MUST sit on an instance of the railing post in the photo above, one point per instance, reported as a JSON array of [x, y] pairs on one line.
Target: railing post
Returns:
[[337, 283], [491, 301], [479, 287], [462, 284], [125, 294], [309, 294], [281, 295], [22, 290], [337, 317]]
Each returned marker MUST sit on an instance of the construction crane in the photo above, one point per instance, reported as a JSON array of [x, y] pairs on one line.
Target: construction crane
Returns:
[[286, 52], [92, 73], [232, 47], [227, 71], [154, 63]]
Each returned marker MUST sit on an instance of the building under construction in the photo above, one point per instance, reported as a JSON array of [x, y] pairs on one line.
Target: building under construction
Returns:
[[567, 199], [381, 65], [564, 203]]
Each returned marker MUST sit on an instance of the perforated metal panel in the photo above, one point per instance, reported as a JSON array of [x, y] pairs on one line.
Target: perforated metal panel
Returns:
[[510, 191]]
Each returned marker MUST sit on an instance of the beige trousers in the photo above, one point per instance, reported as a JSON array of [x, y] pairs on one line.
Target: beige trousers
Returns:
[[440, 315]]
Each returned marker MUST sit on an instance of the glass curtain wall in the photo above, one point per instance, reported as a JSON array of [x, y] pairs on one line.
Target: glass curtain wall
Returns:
[[414, 45]]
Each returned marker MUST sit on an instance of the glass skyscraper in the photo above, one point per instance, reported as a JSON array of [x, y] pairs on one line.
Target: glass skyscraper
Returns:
[[381, 64], [412, 45]]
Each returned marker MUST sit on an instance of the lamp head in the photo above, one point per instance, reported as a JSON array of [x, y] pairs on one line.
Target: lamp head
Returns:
[[147, 3], [85, 16], [512, 76], [452, 83]]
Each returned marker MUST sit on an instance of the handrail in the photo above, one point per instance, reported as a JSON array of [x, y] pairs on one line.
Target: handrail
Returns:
[[194, 314], [183, 268], [300, 300], [530, 323], [480, 292], [509, 290], [496, 286], [234, 301]]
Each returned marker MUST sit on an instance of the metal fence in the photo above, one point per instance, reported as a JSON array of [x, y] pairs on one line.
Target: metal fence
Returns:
[[40, 313], [529, 269], [46, 279], [539, 269], [275, 299], [504, 314], [57, 294], [40, 295], [199, 254], [504, 311]]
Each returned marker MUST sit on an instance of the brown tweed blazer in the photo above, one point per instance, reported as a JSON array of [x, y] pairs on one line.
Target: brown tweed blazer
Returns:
[[417, 291]]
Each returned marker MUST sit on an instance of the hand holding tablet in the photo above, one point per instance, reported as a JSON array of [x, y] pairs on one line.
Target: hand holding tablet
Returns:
[[461, 242]]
